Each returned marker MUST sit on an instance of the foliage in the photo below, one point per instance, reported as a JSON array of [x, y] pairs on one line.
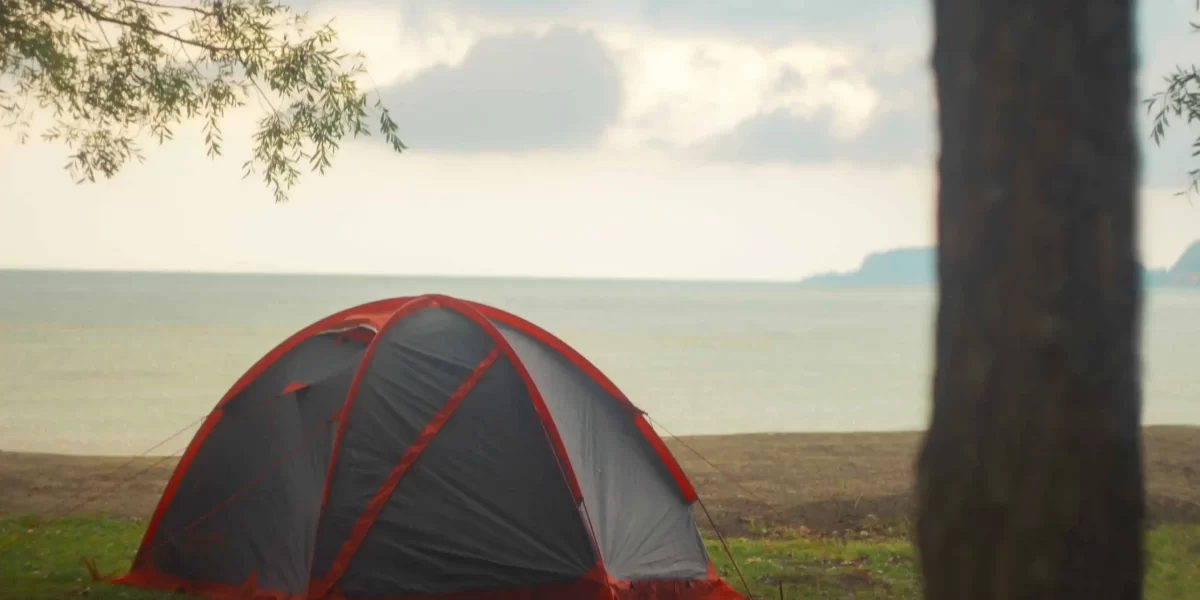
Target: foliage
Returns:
[[1179, 100], [112, 72]]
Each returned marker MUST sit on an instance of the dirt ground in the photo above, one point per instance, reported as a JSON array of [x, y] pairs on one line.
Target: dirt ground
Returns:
[[756, 485], [854, 482]]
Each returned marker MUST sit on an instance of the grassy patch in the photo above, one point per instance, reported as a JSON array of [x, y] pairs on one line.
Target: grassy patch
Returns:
[[1173, 562], [821, 568], [42, 559]]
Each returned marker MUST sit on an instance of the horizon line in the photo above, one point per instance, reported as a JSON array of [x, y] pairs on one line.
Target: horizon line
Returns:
[[384, 275], [803, 282]]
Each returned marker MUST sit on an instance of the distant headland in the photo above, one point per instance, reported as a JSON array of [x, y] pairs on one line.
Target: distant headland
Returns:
[[918, 267]]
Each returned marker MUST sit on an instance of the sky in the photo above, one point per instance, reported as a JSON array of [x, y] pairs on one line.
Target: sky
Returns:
[[725, 139]]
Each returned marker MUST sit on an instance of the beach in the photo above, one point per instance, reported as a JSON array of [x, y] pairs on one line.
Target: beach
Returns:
[[761, 485], [757, 380]]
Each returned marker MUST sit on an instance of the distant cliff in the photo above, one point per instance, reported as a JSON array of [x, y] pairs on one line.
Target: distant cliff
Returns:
[[1186, 270], [918, 266], [903, 266]]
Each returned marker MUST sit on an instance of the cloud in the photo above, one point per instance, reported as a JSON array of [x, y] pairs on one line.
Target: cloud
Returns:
[[516, 92], [893, 137], [904, 136], [783, 21], [780, 81], [682, 90], [674, 86], [765, 21], [777, 136], [898, 128]]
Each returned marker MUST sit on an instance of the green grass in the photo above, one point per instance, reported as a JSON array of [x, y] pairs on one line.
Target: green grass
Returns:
[[1174, 563], [820, 568], [43, 559]]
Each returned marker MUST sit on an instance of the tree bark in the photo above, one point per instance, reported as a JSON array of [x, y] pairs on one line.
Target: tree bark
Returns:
[[1030, 480]]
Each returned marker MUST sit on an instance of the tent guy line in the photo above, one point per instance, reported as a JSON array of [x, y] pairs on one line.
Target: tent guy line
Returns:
[[478, 512]]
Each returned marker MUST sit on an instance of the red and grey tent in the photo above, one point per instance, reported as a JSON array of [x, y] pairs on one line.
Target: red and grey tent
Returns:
[[426, 447]]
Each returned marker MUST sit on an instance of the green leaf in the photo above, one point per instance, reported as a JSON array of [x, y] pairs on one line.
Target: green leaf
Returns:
[[112, 71]]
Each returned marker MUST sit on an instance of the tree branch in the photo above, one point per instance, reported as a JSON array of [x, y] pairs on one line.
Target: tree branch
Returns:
[[100, 16], [152, 4]]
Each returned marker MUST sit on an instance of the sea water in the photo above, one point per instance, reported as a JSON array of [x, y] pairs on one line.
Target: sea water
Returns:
[[113, 363]]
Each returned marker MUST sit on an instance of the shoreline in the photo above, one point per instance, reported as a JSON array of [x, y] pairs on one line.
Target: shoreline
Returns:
[[763, 484], [184, 440]]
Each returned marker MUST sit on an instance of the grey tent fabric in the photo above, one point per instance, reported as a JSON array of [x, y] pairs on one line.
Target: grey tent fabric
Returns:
[[417, 462], [484, 506], [311, 360], [645, 527], [417, 364], [250, 502]]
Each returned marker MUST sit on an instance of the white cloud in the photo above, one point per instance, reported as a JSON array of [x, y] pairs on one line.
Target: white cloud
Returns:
[[681, 90], [618, 209], [515, 92], [397, 50]]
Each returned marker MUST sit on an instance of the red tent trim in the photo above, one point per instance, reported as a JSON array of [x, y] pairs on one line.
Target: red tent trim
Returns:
[[365, 520], [368, 313], [410, 306], [549, 339], [588, 587], [381, 315], [539, 404], [148, 576]]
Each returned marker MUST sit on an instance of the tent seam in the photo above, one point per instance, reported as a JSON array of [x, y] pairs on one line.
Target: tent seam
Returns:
[[362, 527], [557, 446]]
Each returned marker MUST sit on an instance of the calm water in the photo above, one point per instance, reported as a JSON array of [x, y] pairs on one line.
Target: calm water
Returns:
[[113, 363]]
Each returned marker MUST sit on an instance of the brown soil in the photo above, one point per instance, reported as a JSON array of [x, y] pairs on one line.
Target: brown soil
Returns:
[[839, 484], [861, 483]]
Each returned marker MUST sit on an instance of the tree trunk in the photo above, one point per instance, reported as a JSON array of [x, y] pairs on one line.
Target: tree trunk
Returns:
[[1030, 478]]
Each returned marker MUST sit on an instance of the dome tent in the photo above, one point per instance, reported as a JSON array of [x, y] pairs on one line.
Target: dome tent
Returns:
[[426, 447]]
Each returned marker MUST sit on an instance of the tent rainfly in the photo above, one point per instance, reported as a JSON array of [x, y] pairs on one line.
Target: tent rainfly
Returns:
[[426, 447]]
